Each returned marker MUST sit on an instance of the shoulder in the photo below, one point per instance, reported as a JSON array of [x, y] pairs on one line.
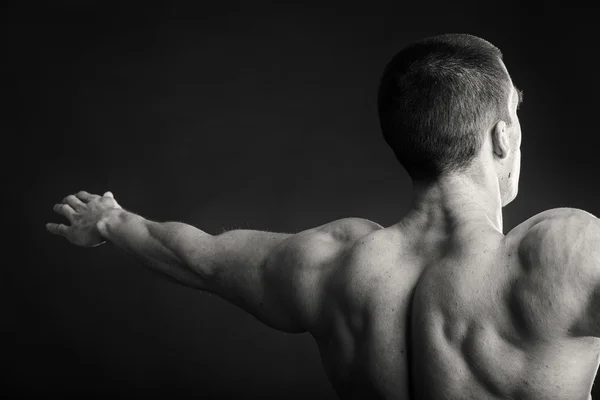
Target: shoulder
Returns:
[[322, 243], [307, 265], [559, 237], [559, 256]]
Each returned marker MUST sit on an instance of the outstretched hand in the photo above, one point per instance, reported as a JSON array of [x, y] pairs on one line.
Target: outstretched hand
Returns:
[[83, 210]]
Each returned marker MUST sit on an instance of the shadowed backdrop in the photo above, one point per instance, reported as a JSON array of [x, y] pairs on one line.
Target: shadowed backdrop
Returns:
[[233, 117]]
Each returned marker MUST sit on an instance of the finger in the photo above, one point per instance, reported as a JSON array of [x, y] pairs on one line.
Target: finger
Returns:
[[84, 196], [64, 209], [109, 194], [73, 201], [57, 229]]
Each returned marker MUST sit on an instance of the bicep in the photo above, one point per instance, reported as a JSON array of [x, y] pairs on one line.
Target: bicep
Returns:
[[278, 278], [233, 266], [261, 272]]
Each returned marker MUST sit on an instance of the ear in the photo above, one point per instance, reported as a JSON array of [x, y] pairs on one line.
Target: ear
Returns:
[[500, 143]]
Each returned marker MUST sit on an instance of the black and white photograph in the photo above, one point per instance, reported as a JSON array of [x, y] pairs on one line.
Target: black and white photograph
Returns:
[[293, 200]]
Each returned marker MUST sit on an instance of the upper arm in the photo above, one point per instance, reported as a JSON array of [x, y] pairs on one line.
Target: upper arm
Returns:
[[562, 266], [279, 278]]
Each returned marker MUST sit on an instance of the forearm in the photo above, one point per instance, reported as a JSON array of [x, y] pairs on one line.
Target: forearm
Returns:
[[155, 244]]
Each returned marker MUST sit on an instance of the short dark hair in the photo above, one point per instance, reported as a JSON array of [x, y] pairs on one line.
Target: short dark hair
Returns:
[[437, 96]]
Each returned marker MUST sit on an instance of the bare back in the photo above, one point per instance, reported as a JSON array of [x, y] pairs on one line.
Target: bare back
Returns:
[[455, 321]]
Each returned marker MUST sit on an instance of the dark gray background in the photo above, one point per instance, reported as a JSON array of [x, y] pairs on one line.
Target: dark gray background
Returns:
[[226, 117]]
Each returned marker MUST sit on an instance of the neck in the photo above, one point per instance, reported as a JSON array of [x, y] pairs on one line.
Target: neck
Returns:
[[457, 201]]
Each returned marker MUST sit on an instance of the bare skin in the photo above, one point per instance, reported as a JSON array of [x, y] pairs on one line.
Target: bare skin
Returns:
[[441, 305]]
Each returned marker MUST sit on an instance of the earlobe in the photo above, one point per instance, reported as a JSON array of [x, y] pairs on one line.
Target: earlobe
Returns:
[[500, 141]]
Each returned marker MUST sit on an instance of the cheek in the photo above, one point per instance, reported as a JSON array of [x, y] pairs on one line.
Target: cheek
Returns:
[[512, 166], [517, 165]]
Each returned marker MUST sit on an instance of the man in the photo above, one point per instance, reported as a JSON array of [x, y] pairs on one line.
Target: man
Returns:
[[441, 305]]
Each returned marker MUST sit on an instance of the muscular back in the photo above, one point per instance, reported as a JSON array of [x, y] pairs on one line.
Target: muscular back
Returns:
[[478, 315]]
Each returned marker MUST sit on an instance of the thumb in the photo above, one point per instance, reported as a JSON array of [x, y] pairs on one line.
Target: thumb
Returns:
[[109, 194]]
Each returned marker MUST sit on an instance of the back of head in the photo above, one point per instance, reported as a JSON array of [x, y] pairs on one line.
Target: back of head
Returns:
[[437, 97]]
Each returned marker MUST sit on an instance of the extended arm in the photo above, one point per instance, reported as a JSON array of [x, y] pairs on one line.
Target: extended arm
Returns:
[[279, 278], [232, 265]]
